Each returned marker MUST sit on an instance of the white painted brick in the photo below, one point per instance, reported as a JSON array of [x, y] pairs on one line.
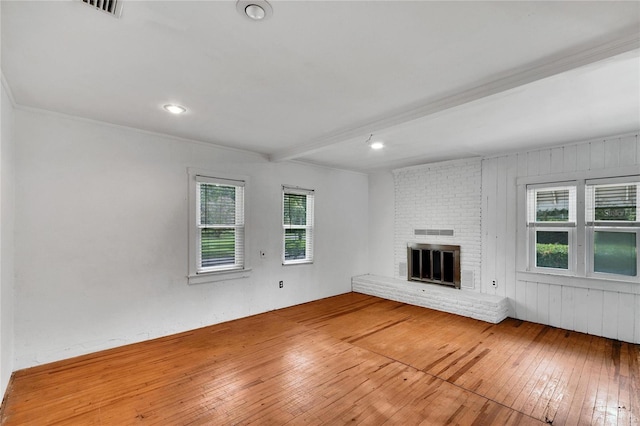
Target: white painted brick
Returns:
[[485, 307], [440, 196]]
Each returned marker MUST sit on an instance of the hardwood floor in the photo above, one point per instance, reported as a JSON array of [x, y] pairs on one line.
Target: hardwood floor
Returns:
[[350, 359]]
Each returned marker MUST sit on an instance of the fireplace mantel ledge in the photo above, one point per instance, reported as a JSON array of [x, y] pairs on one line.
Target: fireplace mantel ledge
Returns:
[[484, 307]]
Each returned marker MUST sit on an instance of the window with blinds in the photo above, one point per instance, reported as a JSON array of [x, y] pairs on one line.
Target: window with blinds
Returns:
[[586, 228], [613, 227], [297, 224], [220, 223], [551, 222]]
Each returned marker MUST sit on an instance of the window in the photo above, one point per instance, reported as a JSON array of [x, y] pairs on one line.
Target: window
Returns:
[[551, 222], [297, 225], [585, 228], [613, 227], [217, 225]]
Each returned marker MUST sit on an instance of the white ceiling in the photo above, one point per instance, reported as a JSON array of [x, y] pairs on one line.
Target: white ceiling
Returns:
[[435, 80]]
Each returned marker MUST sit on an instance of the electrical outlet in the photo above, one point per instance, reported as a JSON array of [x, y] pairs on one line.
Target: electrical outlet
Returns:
[[281, 284], [493, 283]]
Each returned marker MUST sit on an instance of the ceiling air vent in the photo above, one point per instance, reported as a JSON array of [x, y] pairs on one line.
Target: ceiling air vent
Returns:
[[112, 7]]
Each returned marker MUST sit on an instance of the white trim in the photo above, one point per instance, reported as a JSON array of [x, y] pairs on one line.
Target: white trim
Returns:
[[580, 243], [194, 276], [201, 178], [597, 283], [308, 226], [218, 276], [291, 189]]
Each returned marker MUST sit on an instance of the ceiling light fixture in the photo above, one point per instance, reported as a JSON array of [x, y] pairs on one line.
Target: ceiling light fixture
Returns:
[[376, 144], [175, 109], [254, 10]]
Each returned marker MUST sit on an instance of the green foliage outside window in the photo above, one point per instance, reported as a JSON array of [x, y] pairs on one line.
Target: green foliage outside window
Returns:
[[294, 216], [552, 249], [552, 256]]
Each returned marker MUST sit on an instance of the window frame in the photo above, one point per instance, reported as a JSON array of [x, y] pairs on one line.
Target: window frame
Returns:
[[308, 227], [569, 226], [582, 262], [592, 226], [196, 274]]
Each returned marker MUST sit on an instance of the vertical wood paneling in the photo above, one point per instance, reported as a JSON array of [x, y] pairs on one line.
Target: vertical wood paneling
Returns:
[[625, 318], [583, 158], [596, 155], [520, 290], [557, 160], [612, 153], [629, 151], [568, 308], [596, 312], [501, 223], [542, 313], [610, 318], [544, 162], [531, 301], [581, 309], [555, 305], [523, 161], [594, 307], [533, 163], [489, 203], [570, 158], [509, 239]]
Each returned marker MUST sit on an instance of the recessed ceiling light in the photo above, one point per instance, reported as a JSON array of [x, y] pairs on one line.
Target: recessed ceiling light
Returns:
[[374, 144], [254, 10], [175, 109]]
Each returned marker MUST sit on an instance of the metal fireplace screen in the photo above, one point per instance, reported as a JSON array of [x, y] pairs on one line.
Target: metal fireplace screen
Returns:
[[434, 263]]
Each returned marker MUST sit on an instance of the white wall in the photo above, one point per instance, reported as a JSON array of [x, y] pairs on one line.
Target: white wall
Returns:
[[610, 309], [381, 216], [101, 236], [6, 237]]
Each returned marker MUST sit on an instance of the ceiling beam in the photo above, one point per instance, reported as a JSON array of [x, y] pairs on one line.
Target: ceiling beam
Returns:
[[557, 64]]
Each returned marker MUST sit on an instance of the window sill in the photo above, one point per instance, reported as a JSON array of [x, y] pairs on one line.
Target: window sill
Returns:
[[212, 277], [297, 262], [596, 283]]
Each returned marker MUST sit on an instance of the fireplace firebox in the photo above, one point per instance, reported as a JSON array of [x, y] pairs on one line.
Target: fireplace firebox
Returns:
[[434, 263]]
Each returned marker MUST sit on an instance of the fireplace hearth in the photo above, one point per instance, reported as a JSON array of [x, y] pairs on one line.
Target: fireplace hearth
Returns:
[[434, 263]]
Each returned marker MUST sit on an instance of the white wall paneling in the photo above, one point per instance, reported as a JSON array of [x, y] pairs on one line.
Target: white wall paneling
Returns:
[[602, 308]]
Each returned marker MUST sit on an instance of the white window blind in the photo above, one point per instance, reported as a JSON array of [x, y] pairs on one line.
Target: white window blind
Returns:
[[297, 224], [220, 223]]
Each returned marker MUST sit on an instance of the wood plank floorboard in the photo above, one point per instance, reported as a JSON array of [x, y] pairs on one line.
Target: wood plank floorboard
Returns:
[[349, 359]]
